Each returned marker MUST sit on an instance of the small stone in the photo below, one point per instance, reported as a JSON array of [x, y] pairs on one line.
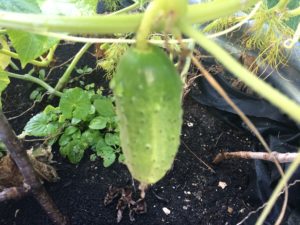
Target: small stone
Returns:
[[230, 210], [190, 124], [184, 207], [166, 210], [222, 184]]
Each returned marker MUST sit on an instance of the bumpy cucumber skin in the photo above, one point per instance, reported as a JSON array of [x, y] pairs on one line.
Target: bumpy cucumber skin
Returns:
[[148, 92]]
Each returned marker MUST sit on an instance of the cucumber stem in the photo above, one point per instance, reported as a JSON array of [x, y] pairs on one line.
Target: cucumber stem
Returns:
[[146, 25], [197, 13]]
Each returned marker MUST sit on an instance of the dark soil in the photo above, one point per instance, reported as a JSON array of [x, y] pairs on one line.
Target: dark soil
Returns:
[[190, 191]]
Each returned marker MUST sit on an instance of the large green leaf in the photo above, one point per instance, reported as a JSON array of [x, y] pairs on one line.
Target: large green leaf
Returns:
[[68, 7], [104, 107], [98, 123], [112, 139], [24, 6], [41, 125], [75, 103], [30, 46], [4, 81]]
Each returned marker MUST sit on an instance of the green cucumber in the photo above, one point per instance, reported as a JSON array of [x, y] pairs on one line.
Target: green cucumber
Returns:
[[148, 93]]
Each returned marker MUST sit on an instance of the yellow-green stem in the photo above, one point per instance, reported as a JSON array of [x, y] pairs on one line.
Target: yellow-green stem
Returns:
[[278, 99], [283, 181], [66, 76], [146, 25], [197, 13], [38, 81]]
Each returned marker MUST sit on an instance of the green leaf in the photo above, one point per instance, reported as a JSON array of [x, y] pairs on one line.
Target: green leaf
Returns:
[[64, 139], [108, 155], [93, 157], [104, 107], [100, 144], [98, 123], [68, 7], [112, 139], [41, 125], [70, 130], [4, 59], [91, 136], [74, 150], [4, 81], [24, 6], [30, 46], [75, 103]]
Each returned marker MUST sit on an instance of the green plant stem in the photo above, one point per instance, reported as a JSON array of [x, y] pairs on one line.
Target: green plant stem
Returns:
[[43, 63], [262, 88], [134, 6], [146, 25], [13, 65], [283, 181], [106, 24], [294, 12], [38, 81], [66, 76]]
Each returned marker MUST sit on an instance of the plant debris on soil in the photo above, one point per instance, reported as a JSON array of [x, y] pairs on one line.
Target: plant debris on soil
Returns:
[[190, 193]]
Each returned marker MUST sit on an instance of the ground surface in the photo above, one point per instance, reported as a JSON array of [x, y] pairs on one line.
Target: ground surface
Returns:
[[190, 191]]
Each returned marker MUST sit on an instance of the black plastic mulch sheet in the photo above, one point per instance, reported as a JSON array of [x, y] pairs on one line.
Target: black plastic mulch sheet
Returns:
[[282, 134]]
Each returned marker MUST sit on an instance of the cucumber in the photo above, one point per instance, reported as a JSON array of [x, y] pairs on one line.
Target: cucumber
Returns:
[[148, 93]]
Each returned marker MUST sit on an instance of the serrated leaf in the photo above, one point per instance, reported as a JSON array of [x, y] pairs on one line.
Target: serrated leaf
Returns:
[[41, 126], [30, 46], [64, 139], [74, 150], [4, 81], [70, 130], [75, 103], [100, 144], [4, 59], [112, 139], [91, 136], [98, 123], [108, 155], [104, 107]]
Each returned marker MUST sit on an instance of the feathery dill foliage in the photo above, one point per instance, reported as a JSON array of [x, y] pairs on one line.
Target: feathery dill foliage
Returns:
[[112, 54], [111, 5], [266, 35]]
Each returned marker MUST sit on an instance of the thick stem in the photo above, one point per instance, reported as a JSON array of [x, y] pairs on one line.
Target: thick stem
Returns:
[[294, 12], [31, 180], [146, 25], [66, 76], [280, 157], [38, 81], [197, 13], [278, 99]]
